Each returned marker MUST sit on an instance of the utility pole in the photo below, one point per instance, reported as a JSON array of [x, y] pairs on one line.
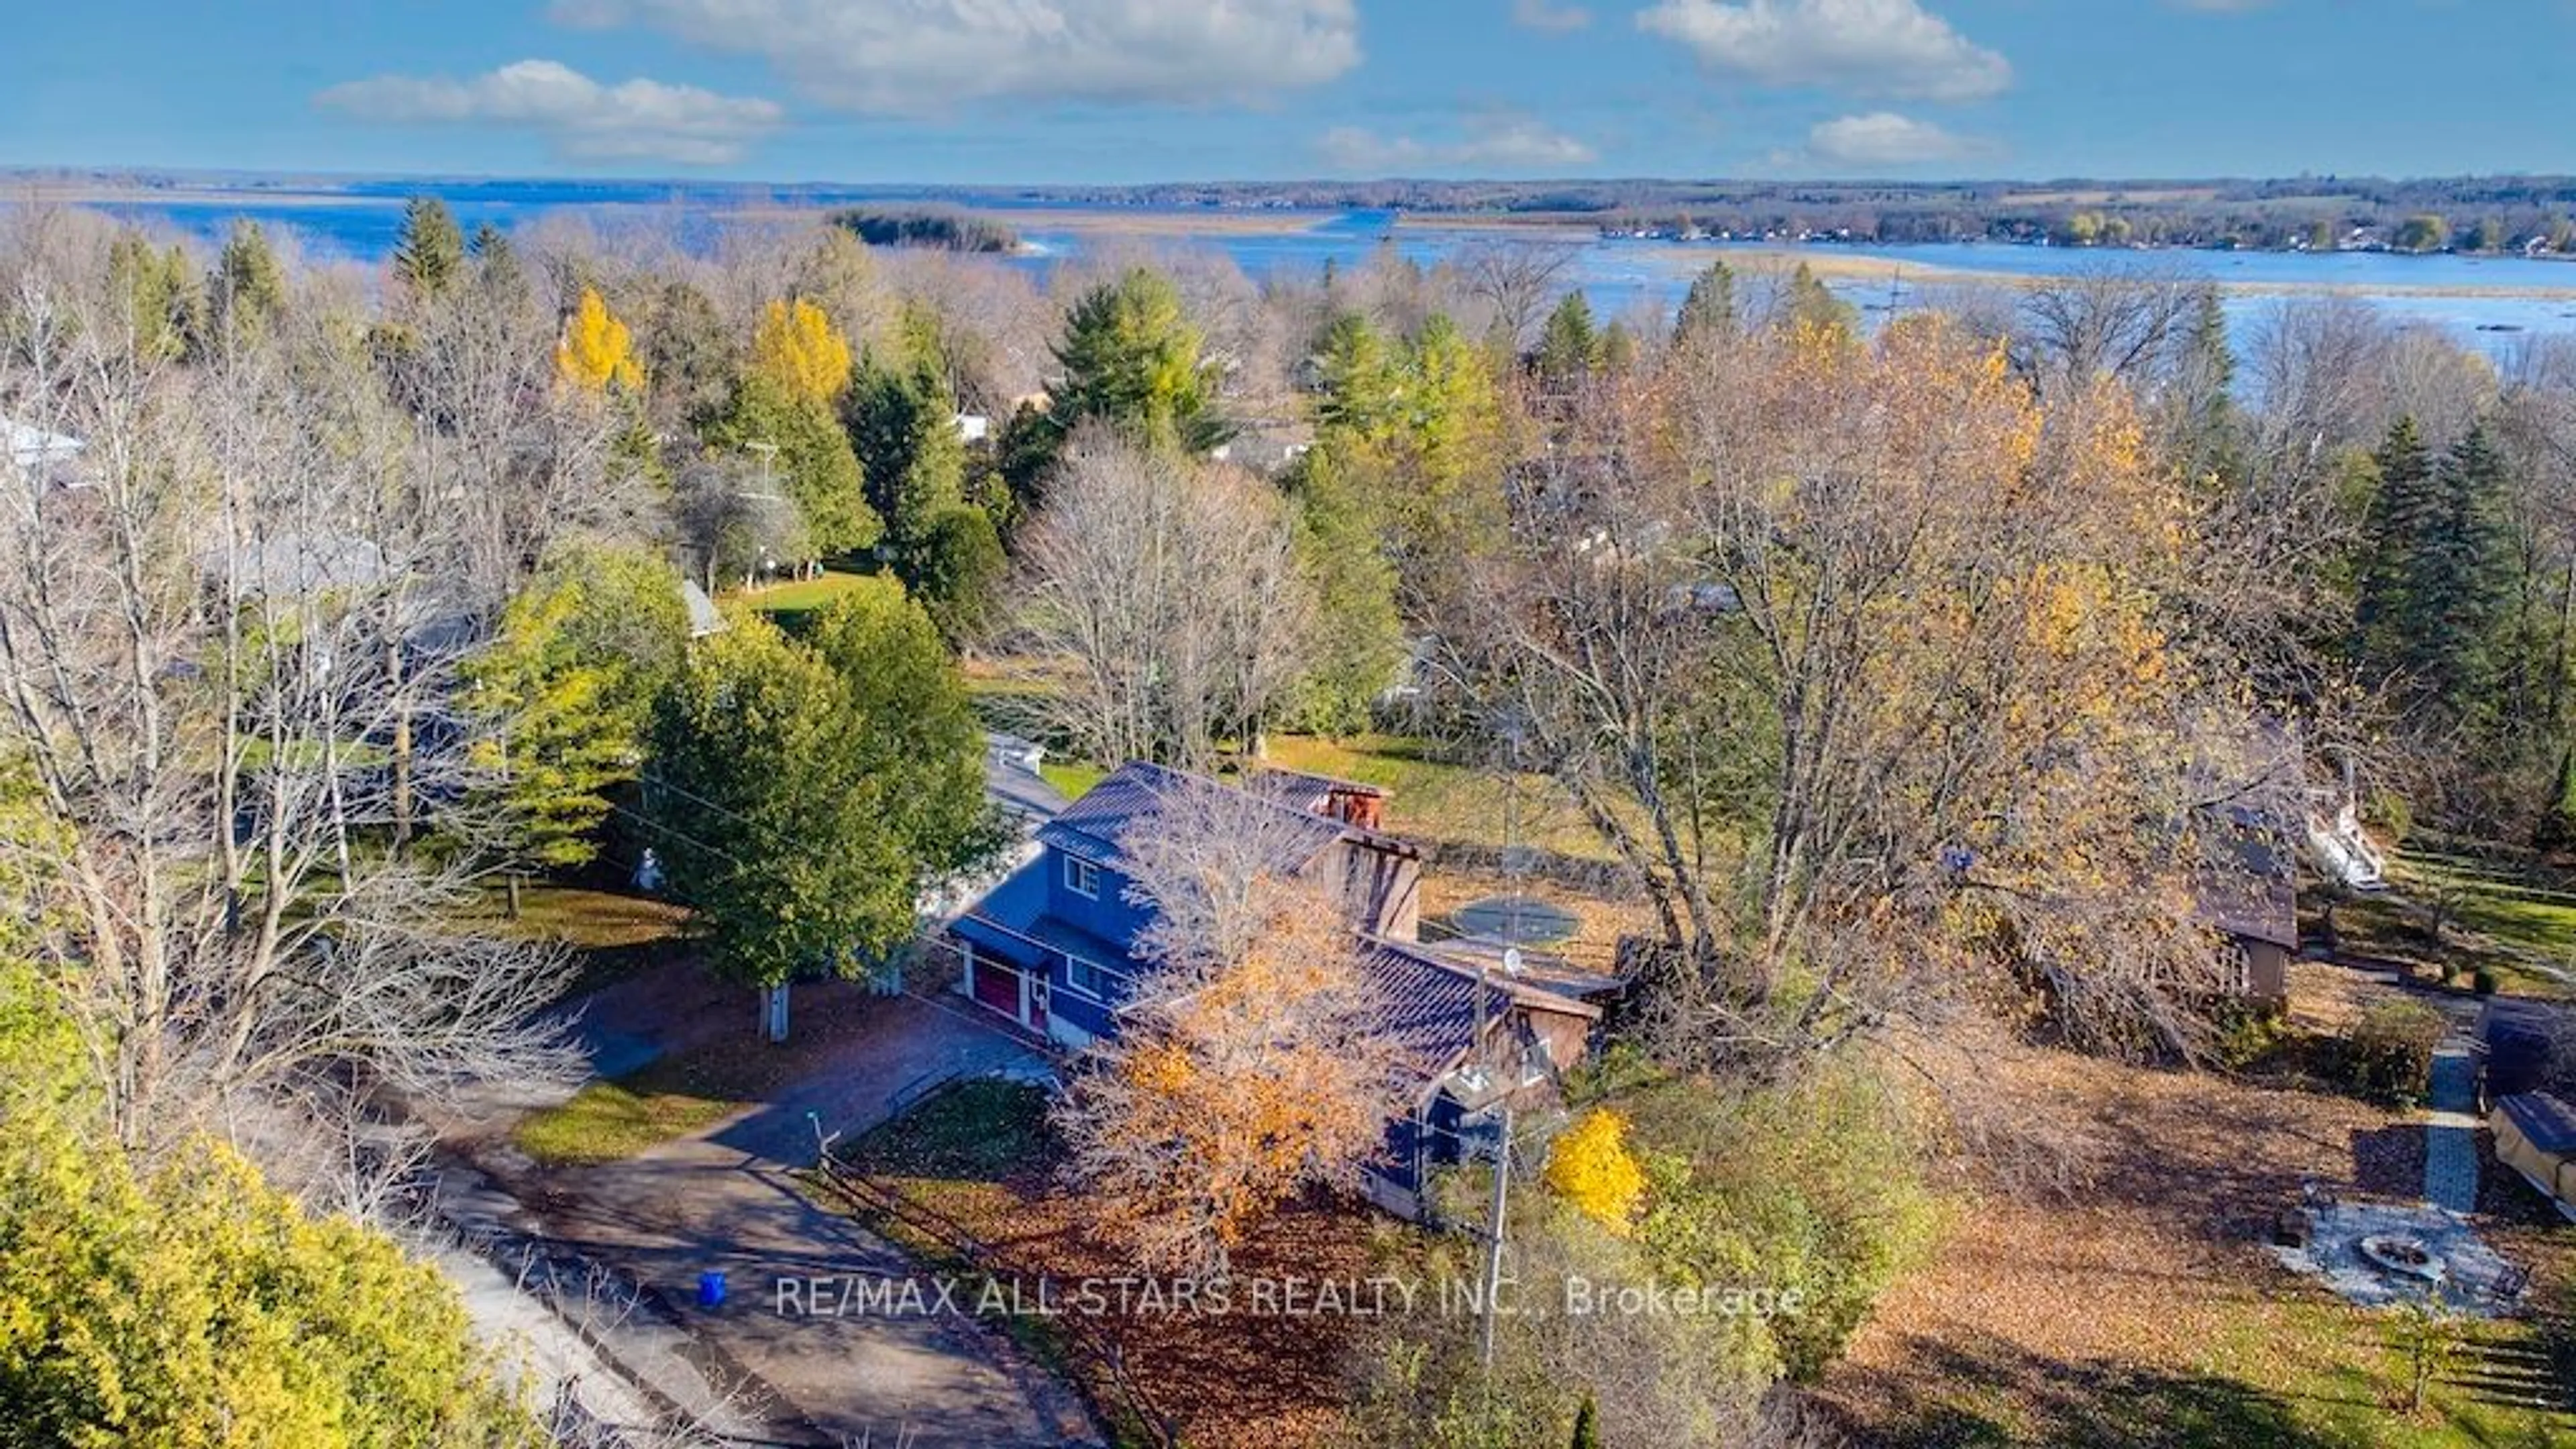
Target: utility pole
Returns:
[[1494, 1235]]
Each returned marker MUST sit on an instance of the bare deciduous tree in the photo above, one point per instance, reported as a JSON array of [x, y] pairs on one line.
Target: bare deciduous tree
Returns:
[[1168, 593], [225, 651]]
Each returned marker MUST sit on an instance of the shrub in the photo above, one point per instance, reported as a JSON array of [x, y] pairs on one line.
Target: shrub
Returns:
[[1592, 1168], [2484, 982], [2389, 1053]]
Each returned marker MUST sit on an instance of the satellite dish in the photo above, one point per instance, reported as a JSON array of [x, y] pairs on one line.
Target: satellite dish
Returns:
[[1511, 960]]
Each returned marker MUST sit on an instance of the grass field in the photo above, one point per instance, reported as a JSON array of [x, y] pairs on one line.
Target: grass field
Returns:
[[2516, 920], [1433, 800], [792, 605], [612, 1121]]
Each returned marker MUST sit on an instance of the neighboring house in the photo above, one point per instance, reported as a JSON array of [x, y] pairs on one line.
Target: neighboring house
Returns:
[[46, 455], [2248, 892], [704, 617], [1053, 948]]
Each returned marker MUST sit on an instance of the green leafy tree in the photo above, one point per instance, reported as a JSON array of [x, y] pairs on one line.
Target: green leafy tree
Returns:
[[1131, 359], [1568, 346], [913, 730], [429, 255], [187, 1305], [566, 689], [1364, 381], [1708, 309], [1360, 633], [796, 439], [803, 796]]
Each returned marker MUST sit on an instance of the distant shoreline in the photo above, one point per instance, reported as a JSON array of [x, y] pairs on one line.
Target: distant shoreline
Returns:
[[1176, 223]]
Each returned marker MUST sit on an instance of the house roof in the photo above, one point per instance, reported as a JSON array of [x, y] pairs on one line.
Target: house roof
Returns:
[[29, 446], [2247, 885], [704, 618], [1096, 826], [1433, 1007]]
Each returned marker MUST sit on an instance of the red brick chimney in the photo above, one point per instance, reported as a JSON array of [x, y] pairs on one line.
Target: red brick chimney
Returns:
[[1362, 806]]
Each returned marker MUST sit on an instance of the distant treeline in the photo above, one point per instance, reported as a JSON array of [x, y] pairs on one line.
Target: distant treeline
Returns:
[[947, 230], [2318, 212]]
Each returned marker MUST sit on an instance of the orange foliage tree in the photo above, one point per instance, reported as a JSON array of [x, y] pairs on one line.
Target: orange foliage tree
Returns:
[[1248, 1067]]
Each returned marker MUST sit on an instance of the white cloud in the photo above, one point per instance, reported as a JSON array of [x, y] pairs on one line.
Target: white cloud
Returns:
[[1872, 47], [639, 120], [1545, 15], [1490, 146], [1883, 138], [933, 57]]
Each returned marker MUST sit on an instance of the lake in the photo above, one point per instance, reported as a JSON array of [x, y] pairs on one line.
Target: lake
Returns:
[[2487, 302]]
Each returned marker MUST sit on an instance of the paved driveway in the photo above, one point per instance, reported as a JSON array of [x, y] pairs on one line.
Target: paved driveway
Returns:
[[725, 1200]]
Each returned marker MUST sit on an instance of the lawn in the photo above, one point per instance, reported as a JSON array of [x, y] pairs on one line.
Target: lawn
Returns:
[[612, 1121], [2526, 912], [1433, 800], [792, 605], [1072, 779]]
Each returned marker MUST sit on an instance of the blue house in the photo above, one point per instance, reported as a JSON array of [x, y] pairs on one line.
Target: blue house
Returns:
[[1053, 948]]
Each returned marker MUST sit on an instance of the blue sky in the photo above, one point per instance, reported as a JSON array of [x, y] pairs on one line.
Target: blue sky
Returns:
[[965, 91]]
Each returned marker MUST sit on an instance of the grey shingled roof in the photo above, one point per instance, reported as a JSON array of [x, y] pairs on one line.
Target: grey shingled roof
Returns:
[[1096, 826]]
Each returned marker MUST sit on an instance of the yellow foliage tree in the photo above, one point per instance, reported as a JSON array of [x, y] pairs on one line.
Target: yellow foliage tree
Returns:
[[1593, 1169], [798, 348], [597, 350]]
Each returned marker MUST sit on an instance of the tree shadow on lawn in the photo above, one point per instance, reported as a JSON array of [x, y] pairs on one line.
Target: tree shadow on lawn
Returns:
[[1999, 1395]]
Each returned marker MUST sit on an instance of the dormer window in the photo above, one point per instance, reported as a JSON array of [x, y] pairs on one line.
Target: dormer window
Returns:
[[1082, 877]]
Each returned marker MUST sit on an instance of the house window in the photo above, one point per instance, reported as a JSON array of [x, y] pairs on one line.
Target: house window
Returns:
[[1087, 977], [1081, 877]]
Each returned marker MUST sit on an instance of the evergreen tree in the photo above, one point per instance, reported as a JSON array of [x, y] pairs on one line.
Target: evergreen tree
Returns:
[[1360, 641], [1131, 359], [1587, 1425], [429, 255], [248, 289], [1708, 310], [957, 572], [566, 689], [1568, 347], [801, 447], [903, 427], [497, 269], [2200, 409], [807, 794], [1810, 303], [159, 294], [2432, 588]]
